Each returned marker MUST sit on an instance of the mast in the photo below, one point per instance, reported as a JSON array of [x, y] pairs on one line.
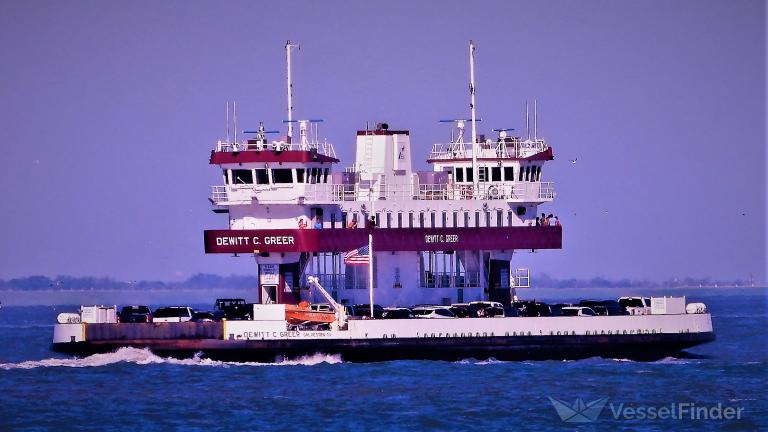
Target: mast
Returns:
[[288, 46], [527, 122], [535, 120], [475, 174], [370, 271]]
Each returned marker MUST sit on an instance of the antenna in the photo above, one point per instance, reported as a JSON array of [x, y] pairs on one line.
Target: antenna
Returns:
[[234, 115], [527, 122], [472, 109], [535, 120], [288, 46], [227, 122]]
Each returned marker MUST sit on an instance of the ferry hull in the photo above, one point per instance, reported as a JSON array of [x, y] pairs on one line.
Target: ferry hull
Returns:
[[571, 347]]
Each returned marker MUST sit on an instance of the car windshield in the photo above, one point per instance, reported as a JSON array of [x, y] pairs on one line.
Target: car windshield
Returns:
[[171, 312], [570, 312], [136, 309]]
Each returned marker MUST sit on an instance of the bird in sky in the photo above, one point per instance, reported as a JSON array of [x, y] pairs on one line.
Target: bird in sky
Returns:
[[573, 161]]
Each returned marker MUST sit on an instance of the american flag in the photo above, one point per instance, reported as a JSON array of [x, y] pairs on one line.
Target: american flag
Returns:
[[359, 256]]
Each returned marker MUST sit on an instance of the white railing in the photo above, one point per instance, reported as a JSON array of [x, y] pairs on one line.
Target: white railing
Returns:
[[331, 192], [515, 148], [323, 148]]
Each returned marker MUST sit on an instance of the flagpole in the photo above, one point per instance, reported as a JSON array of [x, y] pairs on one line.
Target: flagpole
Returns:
[[370, 270]]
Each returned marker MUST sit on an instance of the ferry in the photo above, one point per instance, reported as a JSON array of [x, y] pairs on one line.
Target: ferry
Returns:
[[332, 244]]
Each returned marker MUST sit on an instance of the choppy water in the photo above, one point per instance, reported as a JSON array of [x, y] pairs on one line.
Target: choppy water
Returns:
[[136, 390]]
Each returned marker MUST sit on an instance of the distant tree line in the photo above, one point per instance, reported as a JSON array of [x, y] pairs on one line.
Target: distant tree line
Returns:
[[212, 281]]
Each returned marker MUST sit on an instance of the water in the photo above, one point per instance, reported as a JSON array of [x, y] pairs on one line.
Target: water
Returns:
[[136, 390]]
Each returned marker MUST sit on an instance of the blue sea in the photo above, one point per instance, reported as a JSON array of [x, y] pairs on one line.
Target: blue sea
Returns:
[[135, 390]]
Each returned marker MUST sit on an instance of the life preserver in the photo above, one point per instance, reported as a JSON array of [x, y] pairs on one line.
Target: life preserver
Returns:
[[302, 223], [493, 192]]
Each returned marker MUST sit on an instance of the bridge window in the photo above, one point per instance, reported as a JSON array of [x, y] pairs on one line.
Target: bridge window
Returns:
[[499, 218], [431, 219], [333, 220], [242, 176], [496, 174], [487, 218], [509, 174], [510, 217], [470, 175], [399, 220], [538, 173], [282, 175], [455, 219], [466, 219], [459, 174], [410, 220], [520, 174], [527, 173], [421, 219], [445, 219], [300, 175], [477, 219], [343, 219], [325, 175], [261, 176], [389, 220]]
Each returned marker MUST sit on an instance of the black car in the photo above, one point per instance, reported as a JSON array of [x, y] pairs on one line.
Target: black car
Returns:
[[200, 316], [364, 310], [462, 310], [234, 308], [604, 307], [136, 314], [395, 313]]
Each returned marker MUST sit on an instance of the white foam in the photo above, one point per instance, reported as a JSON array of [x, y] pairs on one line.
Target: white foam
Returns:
[[145, 357]]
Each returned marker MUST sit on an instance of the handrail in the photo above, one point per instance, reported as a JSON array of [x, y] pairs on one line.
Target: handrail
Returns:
[[513, 148], [324, 148]]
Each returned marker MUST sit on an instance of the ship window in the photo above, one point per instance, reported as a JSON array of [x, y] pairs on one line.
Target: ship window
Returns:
[[399, 220], [509, 174], [432, 219], [466, 219], [299, 175], [510, 216], [499, 218], [378, 219], [527, 173], [410, 220], [421, 219], [496, 174], [312, 174], [459, 175], [241, 176], [538, 173], [477, 219], [389, 220], [520, 174], [482, 174], [325, 175], [343, 219], [487, 218], [333, 220], [282, 175], [261, 176], [445, 219], [470, 175], [455, 219]]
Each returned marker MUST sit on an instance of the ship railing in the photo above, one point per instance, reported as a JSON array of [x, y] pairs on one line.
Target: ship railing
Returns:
[[325, 148], [511, 148], [517, 191]]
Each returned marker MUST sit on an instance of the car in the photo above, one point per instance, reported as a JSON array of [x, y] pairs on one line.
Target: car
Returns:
[[604, 307], [364, 310], [487, 309], [199, 316], [396, 313], [578, 311], [135, 314], [635, 305], [234, 308], [462, 310], [172, 314], [432, 312]]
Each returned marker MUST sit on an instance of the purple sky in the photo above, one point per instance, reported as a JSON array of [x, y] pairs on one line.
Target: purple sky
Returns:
[[109, 112]]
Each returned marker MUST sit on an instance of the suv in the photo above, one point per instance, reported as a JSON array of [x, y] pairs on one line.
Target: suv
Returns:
[[173, 314], [135, 314], [577, 311], [234, 309], [432, 312]]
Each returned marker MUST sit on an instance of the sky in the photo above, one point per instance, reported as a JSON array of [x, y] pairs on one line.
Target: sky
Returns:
[[109, 111]]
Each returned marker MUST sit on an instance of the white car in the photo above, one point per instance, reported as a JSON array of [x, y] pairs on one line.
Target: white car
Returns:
[[432, 312], [172, 314], [578, 311]]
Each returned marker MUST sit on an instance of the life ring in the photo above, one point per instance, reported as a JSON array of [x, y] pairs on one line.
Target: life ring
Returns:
[[493, 192], [302, 223]]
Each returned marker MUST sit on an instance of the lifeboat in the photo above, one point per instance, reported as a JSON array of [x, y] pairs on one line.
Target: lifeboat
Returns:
[[301, 313]]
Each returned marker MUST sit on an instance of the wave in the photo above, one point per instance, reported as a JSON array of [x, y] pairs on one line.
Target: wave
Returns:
[[146, 357]]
